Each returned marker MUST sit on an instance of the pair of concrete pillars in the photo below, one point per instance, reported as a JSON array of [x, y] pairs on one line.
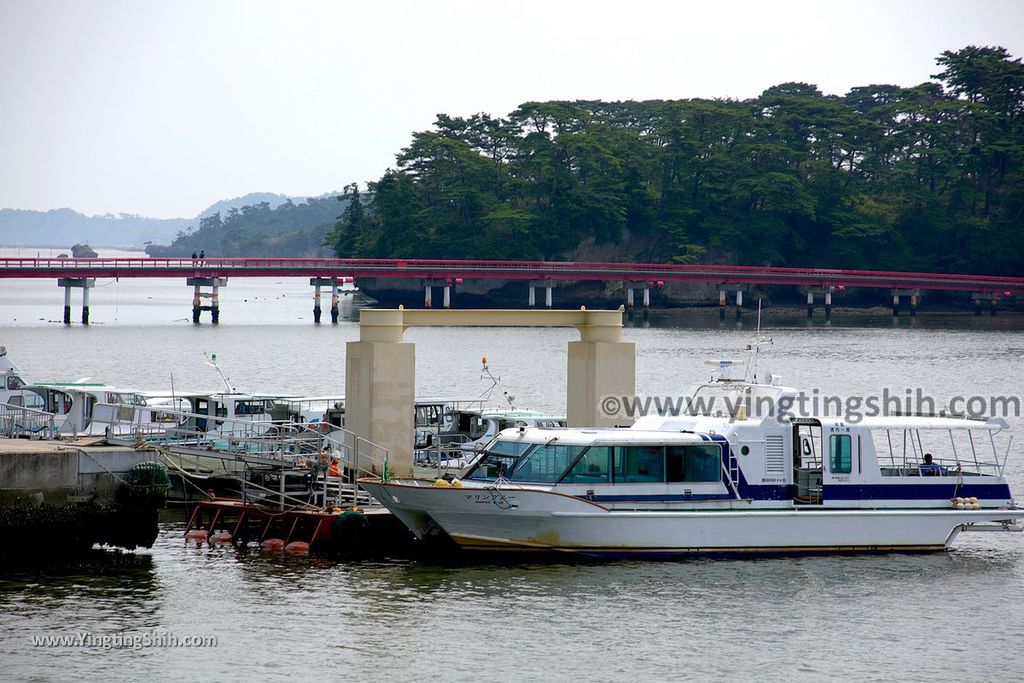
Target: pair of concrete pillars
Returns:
[[828, 303], [980, 298], [548, 286], [446, 300], [914, 297], [722, 292], [317, 283], [199, 284], [646, 300], [83, 283], [380, 369]]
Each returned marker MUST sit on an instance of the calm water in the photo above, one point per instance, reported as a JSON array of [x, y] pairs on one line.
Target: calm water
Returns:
[[957, 615]]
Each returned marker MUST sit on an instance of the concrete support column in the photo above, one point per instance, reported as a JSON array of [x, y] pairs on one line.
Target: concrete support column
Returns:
[[547, 296], [334, 302], [215, 303], [379, 394], [647, 296], [721, 304], [895, 305], [629, 297], [68, 304], [828, 304], [316, 303], [739, 304], [598, 369], [914, 298], [85, 305], [447, 296], [533, 296], [810, 304], [427, 303], [197, 304]]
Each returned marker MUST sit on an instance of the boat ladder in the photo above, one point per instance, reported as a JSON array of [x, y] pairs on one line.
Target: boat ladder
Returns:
[[732, 472]]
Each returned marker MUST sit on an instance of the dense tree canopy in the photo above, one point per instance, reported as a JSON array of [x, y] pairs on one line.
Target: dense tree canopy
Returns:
[[929, 177]]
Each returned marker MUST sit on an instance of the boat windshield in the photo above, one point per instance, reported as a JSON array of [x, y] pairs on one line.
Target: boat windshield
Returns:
[[499, 458], [545, 463]]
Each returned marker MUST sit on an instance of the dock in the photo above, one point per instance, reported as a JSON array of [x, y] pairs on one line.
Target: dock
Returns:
[[60, 497]]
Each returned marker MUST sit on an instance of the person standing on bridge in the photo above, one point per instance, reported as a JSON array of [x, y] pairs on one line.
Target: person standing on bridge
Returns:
[[194, 258], [202, 255]]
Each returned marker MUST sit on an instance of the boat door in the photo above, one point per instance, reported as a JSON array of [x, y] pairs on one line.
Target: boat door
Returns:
[[807, 461]]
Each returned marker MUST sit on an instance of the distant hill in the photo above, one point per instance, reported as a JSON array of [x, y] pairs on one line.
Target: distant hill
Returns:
[[64, 227]]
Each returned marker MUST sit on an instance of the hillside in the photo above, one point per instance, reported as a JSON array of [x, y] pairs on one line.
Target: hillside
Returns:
[[929, 177]]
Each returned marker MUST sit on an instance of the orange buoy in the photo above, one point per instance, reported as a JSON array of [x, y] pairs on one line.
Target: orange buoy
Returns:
[[220, 537], [274, 544], [300, 547], [197, 535]]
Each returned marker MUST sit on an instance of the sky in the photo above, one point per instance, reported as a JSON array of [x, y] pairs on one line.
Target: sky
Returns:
[[163, 108]]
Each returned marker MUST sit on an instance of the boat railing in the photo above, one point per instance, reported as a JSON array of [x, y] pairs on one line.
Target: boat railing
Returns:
[[21, 421], [337, 456], [903, 452]]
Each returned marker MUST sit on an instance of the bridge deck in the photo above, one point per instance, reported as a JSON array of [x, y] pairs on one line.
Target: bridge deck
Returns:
[[443, 269]]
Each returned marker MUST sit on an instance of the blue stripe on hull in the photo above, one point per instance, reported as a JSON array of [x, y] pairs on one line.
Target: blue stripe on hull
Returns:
[[937, 491]]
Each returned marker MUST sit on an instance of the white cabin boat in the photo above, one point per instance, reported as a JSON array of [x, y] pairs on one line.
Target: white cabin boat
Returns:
[[747, 480]]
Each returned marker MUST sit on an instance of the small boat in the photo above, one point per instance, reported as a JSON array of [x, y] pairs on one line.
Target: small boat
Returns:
[[750, 480]]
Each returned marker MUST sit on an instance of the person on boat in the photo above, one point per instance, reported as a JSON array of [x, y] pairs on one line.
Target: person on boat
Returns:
[[931, 469]]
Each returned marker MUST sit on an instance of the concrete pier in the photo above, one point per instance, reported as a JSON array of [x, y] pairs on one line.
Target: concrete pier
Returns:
[[214, 284], [547, 296], [533, 296], [317, 283], [83, 283], [629, 296], [828, 304], [59, 497], [810, 304], [913, 296], [447, 296]]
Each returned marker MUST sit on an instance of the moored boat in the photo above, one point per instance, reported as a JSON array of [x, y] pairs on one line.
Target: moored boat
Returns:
[[748, 480]]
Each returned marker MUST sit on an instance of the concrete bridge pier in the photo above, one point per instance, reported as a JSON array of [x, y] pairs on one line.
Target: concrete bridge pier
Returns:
[[85, 283], [721, 304], [317, 283], [447, 296], [629, 296], [547, 296], [914, 297], [427, 302], [810, 304], [828, 304], [334, 301], [197, 284], [980, 297], [533, 296]]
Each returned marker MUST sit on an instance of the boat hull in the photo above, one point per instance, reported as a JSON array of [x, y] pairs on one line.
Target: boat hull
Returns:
[[545, 521]]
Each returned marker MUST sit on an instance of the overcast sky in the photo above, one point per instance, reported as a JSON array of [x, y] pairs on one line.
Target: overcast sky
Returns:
[[162, 108]]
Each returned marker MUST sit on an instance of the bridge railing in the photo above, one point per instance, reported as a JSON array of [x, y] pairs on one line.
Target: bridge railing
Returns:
[[434, 268]]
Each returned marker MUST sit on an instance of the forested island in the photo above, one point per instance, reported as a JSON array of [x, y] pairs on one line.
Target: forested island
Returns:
[[923, 178]]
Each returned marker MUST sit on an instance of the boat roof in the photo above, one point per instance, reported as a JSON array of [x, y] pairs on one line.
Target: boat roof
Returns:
[[933, 422], [590, 437], [521, 413]]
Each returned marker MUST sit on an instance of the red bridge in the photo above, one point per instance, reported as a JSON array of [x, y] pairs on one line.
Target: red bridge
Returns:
[[445, 269], [213, 273]]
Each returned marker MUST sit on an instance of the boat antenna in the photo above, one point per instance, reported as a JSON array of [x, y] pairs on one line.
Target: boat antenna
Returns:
[[756, 348], [485, 372], [211, 360]]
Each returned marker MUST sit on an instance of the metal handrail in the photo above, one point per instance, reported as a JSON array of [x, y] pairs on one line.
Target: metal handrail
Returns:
[[16, 421]]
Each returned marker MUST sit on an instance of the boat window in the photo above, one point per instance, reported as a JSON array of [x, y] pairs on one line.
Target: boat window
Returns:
[[840, 454], [509, 447], [492, 465], [248, 407], [703, 463], [14, 382], [594, 467], [546, 463], [639, 464]]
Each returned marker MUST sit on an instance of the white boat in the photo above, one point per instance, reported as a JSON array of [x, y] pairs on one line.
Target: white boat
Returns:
[[747, 481]]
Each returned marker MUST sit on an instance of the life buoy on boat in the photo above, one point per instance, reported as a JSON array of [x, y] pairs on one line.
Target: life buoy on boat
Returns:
[[298, 547], [273, 544]]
